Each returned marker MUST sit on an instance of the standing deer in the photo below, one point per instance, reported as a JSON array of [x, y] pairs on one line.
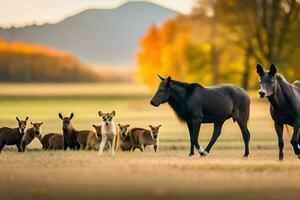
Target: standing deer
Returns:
[[140, 138], [13, 136], [30, 134]]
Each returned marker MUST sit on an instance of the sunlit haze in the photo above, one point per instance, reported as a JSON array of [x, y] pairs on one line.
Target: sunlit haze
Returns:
[[20, 13]]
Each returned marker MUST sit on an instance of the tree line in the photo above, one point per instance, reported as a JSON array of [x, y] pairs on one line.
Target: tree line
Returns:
[[222, 40], [21, 62]]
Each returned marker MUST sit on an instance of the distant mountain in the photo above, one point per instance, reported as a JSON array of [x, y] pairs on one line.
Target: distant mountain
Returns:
[[98, 36]]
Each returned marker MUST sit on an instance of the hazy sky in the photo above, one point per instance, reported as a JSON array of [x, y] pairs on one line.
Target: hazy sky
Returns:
[[24, 12]]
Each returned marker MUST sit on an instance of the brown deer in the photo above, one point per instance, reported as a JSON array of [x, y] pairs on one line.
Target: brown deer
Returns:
[[45, 140], [125, 142], [56, 142], [84, 137], [30, 134], [140, 138], [94, 140], [73, 138], [13, 136]]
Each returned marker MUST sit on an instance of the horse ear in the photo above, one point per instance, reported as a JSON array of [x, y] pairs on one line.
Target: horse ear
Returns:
[[72, 115], [94, 126], [161, 78], [260, 70], [17, 119], [26, 118], [273, 70], [31, 123], [60, 116], [168, 80], [100, 113]]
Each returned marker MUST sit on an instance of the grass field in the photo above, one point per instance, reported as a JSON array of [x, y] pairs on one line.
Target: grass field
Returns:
[[168, 174]]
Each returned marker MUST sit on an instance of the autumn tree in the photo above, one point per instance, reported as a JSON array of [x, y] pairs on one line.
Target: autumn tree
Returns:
[[265, 29]]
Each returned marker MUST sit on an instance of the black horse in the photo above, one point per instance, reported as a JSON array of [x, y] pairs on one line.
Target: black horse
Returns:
[[195, 104], [284, 101]]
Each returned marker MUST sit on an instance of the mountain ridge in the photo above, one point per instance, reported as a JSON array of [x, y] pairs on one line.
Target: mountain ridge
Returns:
[[97, 36]]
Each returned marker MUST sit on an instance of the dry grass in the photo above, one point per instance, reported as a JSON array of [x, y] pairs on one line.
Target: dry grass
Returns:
[[168, 174]]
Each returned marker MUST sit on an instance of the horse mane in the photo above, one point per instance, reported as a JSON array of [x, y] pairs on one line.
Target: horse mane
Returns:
[[184, 84], [284, 85], [281, 80], [178, 104]]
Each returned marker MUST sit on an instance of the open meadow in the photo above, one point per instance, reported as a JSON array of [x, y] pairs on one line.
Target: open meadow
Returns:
[[167, 174]]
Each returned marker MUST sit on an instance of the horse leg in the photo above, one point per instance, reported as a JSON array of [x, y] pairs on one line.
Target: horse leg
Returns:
[[279, 131], [196, 128], [294, 140], [246, 136], [190, 126], [217, 131]]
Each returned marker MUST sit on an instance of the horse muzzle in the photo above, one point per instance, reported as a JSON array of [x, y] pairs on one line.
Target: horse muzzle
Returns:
[[262, 94], [153, 103]]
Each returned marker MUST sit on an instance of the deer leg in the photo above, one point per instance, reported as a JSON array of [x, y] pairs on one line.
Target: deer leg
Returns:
[[112, 148], [19, 147], [1, 146], [23, 146], [155, 147], [65, 145], [102, 145]]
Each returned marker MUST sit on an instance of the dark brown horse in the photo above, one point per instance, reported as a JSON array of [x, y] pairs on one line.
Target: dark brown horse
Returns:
[[196, 104], [284, 101]]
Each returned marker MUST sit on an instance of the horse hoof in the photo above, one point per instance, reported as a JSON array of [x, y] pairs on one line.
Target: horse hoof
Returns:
[[281, 159], [203, 153], [246, 155], [191, 154]]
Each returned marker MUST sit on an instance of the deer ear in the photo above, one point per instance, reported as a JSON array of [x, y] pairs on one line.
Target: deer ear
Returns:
[[273, 70], [127, 125], [159, 126], [60, 116], [41, 123], [119, 125], [18, 119], [260, 70], [94, 126], [150, 126], [72, 115], [113, 113], [161, 78], [26, 118], [100, 113]]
